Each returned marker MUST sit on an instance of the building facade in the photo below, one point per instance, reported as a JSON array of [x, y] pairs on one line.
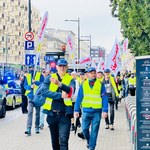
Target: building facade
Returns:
[[14, 25]]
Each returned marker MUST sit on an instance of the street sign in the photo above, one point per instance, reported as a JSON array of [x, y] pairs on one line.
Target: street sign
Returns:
[[30, 59], [29, 45], [48, 58], [29, 36], [143, 102]]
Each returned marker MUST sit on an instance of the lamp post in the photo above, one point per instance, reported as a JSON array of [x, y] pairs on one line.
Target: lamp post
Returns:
[[6, 51], [78, 21]]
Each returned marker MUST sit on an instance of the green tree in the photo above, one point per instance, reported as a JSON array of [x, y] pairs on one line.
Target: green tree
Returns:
[[134, 16]]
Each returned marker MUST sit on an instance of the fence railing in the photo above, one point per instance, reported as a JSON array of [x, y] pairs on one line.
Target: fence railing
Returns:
[[130, 106]]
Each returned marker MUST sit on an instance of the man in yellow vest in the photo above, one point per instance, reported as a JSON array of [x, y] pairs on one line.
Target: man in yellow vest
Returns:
[[112, 94], [100, 75], [58, 89], [31, 84], [93, 99], [132, 84]]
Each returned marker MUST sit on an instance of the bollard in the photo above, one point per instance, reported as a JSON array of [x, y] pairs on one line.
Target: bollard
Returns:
[[133, 127], [135, 134], [131, 109]]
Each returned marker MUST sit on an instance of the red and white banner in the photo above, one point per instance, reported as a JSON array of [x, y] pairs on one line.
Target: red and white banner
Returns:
[[40, 38], [114, 58], [85, 60], [71, 50], [125, 45]]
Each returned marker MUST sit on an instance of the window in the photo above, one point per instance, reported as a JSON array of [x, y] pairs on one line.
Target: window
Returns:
[[4, 27], [2, 15], [12, 20], [3, 4]]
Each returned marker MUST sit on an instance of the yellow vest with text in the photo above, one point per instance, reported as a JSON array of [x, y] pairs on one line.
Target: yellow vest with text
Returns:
[[92, 96], [29, 78], [53, 88], [37, 78]]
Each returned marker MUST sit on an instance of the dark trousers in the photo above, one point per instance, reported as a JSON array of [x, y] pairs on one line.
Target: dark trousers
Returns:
[[24, 104], [112, 114], [59, 126]]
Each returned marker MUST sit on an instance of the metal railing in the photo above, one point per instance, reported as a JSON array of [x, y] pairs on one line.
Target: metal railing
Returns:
[[130, 107]]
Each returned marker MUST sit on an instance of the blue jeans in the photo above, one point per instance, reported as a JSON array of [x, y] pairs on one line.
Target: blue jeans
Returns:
[[30, 115], [91, 119], [59, 126], [42, 117]]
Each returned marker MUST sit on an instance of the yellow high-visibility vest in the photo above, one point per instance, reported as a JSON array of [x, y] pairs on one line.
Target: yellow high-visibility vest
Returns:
[[53, 87], [29, 78], [112, 80], [101, 79], [132, 81], [92, 97], [37, 78]]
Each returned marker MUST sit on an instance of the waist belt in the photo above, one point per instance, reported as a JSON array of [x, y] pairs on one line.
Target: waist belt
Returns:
[[57, 112]]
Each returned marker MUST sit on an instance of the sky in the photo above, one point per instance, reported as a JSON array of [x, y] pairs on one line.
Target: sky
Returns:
[[95, 19]]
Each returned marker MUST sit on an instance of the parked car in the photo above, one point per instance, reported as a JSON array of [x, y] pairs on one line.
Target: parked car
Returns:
[[13, 94], [2, 101]]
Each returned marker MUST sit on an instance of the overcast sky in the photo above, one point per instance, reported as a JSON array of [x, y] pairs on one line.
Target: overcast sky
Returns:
[[95, 19]]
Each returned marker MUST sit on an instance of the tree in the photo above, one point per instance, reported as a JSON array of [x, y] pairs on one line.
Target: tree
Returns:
[[134, 16]]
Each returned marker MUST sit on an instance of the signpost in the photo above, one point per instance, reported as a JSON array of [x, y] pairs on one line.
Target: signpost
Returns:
[[143, 102], [29, 47]]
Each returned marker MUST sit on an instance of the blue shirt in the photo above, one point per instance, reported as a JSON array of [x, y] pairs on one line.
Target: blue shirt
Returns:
[[80, 98]]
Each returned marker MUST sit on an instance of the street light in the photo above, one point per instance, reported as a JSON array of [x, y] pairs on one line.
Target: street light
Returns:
[[78, 21], [6, 51]]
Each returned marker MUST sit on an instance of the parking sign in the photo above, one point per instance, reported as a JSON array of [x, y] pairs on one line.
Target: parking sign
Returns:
[[29, 45]]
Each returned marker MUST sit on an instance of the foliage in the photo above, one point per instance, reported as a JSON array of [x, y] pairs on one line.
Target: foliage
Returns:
[[134, 16]]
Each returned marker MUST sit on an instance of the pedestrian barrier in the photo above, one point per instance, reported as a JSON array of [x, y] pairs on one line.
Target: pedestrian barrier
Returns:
[[130, 108]]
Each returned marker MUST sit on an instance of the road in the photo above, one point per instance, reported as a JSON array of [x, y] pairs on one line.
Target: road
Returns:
[[12, 135]]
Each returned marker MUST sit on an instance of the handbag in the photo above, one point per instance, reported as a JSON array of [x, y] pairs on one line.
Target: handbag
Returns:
[[38, 99]]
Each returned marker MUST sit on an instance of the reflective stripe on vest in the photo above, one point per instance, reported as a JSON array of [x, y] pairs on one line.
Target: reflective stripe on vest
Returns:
[[114, 85], [28, 77], [92, 97], [37, 78], [53, 87]]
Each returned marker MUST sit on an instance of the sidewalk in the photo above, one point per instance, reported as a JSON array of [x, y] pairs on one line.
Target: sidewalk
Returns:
[[12, 136]]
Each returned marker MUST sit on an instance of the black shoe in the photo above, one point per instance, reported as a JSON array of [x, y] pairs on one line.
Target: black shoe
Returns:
[[111, 127], [81, 135], [28, 131], [25, 112], [107, 126], [72, 127], [41, 126], [37, 130]]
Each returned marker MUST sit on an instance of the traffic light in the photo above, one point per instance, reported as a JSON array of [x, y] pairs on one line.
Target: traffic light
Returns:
[[63, 48]]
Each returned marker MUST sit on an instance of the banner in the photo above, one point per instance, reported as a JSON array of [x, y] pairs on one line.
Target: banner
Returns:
[[114, 58], [125, 45], [40, 38], [71, 50], [85, 60]]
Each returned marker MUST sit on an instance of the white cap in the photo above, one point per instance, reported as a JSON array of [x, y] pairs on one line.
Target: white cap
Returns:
[[74, 72]]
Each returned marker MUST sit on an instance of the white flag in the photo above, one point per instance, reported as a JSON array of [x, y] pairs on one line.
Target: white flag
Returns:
[[114, 58], [93, 64]]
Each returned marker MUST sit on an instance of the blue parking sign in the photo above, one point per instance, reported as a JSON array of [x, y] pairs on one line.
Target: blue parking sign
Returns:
[[29, 45]]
